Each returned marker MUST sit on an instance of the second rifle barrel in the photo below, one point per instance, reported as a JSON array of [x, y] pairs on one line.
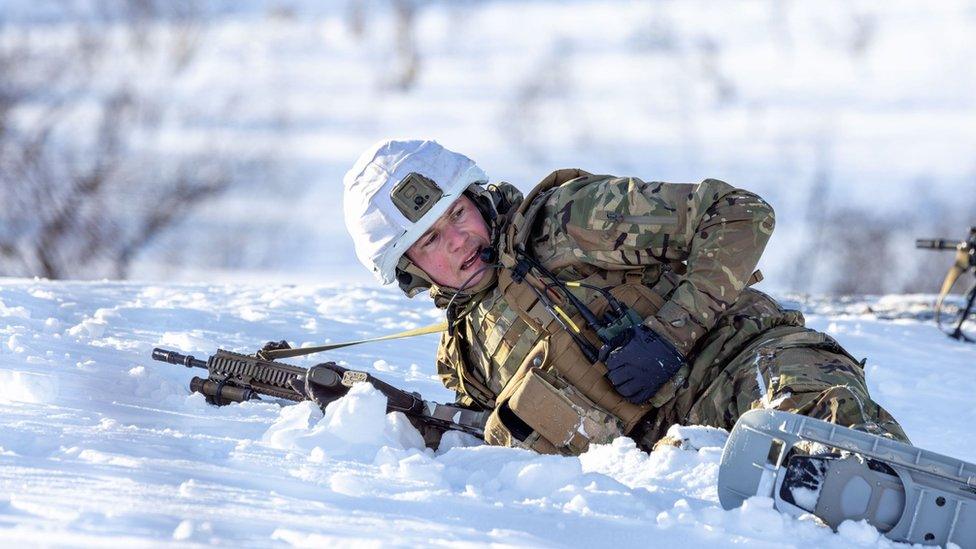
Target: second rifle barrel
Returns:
[[937, 243]]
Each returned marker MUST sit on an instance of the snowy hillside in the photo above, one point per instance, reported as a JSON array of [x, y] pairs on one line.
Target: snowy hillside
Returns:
[[99, 445]]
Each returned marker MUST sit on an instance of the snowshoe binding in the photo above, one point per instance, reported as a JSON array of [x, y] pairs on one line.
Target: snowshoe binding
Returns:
[[909, 494]]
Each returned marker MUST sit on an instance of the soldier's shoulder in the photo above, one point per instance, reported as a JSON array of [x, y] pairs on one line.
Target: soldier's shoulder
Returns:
[[560, 177], [576, 186], [569, 180]]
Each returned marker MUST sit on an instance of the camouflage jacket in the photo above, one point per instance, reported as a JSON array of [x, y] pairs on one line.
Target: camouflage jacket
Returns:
[[697, 244]]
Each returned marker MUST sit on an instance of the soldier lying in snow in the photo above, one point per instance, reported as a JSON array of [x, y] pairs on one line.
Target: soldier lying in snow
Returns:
[[598, 306]]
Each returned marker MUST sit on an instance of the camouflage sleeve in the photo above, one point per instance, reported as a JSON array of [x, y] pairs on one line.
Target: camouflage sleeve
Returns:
[[726, 234], [447, 370], [718, 231]]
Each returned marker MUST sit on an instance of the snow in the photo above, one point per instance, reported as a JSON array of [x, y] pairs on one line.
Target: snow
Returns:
[[805, 498], [99, 445]]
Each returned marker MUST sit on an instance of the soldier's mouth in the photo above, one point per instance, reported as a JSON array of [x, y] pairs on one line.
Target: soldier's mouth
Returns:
[[470, 260]]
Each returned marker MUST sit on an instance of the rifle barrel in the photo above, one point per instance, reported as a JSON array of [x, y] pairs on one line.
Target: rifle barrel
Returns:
[[937, 243]]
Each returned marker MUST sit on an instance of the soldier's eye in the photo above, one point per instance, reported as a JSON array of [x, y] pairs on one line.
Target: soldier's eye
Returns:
[[458, 212]]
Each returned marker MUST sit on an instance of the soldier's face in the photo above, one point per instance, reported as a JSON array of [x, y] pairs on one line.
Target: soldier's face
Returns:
[[448, 251]]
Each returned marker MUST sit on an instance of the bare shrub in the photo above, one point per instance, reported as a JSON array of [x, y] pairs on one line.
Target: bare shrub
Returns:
[[84, 184], [860, 244], [866, 251], [404, 70]]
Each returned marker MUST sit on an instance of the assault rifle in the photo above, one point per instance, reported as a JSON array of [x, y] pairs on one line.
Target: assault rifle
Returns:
[[235, 377], [965, 260]]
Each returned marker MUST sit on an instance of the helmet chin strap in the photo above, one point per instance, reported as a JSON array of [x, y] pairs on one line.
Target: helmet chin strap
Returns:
[[487, 256]]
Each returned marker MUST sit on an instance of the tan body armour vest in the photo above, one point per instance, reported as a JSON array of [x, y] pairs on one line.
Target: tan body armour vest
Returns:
[[513, 356]]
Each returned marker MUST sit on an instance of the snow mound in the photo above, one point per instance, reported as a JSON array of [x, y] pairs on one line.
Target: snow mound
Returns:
[[36, 388], [355, 426], [696, 437]]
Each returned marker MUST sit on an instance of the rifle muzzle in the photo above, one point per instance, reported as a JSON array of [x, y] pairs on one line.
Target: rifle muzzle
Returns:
[[172, 357]]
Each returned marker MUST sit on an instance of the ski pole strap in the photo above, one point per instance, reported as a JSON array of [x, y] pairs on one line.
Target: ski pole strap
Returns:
[[286, 353]]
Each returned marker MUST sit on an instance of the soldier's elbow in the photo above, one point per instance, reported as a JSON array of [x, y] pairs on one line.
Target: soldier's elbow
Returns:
[[751, 208], [766, 215]]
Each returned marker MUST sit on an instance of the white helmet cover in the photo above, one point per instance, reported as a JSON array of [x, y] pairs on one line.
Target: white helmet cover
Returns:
[[380, 232]]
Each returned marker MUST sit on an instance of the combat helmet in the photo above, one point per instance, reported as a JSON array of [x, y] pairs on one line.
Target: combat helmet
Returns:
[[395, 192]]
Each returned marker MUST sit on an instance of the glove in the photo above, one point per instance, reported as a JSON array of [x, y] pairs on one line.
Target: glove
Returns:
[[320, 384], [639, 362]]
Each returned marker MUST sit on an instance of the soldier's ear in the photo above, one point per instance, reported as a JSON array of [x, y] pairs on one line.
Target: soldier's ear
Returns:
[[411, 279]]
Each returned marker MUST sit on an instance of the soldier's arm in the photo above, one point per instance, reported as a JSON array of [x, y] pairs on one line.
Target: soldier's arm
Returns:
[[717, 230], [726, 235]]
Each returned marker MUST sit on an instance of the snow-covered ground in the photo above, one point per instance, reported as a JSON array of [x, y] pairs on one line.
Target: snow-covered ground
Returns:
[[99, 445], [817, 106]]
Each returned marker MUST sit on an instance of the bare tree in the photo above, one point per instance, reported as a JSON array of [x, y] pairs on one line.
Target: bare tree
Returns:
[[408, 55], [815, 219], [710, 54], [405, 69], [548, 81], [82, 189], [860, 250]]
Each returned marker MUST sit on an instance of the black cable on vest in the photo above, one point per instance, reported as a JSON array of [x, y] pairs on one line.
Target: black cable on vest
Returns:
[[615, 305], [591, 320], [588, 350]]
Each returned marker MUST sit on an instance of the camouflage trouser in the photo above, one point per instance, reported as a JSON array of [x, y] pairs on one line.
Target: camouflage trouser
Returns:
[[814, 381]]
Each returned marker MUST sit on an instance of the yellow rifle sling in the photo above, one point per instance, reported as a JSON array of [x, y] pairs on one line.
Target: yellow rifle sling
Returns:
[[286, 353]]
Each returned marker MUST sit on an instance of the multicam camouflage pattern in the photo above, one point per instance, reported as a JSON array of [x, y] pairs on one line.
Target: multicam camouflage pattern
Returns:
[[702, 242], [712, 230], [773, 362], [499, 339]]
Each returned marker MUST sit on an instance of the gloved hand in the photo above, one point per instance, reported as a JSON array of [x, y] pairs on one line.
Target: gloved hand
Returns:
[[320, 384], [639, 362]]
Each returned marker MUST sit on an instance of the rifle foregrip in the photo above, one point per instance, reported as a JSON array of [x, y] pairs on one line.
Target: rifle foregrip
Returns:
[[220, 394]]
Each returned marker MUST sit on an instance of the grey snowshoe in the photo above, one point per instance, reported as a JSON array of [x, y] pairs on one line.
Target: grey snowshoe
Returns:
[[907, 493]]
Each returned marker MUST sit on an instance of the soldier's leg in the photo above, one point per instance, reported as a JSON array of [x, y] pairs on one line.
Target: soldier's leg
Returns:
[[811, 381]]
